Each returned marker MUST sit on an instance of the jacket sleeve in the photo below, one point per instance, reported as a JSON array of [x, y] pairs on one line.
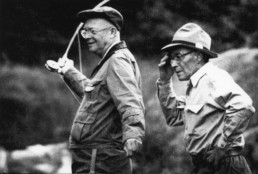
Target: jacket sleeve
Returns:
[[238, 109], [171, 105], [76, 81], [127, 96]]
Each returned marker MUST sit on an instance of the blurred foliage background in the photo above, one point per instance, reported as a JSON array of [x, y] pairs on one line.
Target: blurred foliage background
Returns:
[[37, 108]]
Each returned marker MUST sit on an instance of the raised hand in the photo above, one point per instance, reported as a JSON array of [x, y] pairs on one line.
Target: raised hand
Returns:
[[60, 67], [165, 69]]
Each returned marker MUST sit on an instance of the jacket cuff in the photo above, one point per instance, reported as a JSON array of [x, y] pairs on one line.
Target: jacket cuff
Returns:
[[164, 88], [163, 82], [133, 125], [74, 75]]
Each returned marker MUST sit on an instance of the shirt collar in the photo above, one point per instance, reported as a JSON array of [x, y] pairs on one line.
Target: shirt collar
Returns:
[[199, 73]]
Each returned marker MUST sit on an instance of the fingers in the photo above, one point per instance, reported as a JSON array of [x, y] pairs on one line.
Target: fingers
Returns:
[[129, 153], [162, 64], [164, 59], [210, 158], [132, 145], [214, 157], [68, 64], [62, 61], [216, 162]]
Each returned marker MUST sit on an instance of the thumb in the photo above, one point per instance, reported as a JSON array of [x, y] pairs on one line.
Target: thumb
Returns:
[[129, 152]]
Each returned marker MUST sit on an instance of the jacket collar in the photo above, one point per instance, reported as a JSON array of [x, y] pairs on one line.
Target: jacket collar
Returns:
[[113, 48], [109, 49]]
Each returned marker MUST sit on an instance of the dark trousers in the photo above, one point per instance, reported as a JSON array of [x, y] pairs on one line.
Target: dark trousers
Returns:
[[107, 161], [235, 164]]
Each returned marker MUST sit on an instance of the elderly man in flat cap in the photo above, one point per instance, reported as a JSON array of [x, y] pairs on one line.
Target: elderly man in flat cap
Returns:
[[215, 110], [109, 124]]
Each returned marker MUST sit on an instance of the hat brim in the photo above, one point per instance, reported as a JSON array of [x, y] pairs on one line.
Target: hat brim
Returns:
[[173, 46]]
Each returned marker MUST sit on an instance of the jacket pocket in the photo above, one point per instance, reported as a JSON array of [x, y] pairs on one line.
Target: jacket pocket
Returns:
[[194, 108], [82, 126], [193, 117], [92, 89], [195, 137]]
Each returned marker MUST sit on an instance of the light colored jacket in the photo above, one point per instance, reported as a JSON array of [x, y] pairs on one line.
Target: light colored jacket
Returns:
[[215, 112], [112, 108]]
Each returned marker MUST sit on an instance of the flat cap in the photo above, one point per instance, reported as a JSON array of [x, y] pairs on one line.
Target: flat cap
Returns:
[[105, 12]]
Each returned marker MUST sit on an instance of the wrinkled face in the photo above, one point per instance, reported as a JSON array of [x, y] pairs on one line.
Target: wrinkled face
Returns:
[[97, 33], [185, 62]]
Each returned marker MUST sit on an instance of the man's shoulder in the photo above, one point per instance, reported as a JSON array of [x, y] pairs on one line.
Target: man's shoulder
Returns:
[[218, 76], [122, 55], [217, 73]]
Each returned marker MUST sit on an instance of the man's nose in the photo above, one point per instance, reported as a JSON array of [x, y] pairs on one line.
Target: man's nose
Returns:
[[173, 63], [87, 35]]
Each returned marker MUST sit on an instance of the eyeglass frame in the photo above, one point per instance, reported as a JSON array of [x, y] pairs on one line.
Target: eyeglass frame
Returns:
[[92, 31], [178, 57]]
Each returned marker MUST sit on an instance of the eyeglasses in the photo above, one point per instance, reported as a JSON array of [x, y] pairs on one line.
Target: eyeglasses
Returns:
[[179, 57], [91, 31]]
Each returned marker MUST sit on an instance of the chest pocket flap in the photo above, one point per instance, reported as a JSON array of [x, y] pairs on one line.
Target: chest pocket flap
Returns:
[[91, 84], [194, 108]]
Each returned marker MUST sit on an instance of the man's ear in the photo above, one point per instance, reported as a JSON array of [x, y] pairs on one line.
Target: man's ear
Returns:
[[199, 56], [113, 32]]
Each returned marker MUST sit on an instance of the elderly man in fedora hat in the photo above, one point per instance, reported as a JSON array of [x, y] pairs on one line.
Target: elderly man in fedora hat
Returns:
[[215, 110], [109, 124]]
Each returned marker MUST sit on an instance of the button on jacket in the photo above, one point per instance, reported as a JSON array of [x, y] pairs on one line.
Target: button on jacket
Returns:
[[215, 110], [112, 109]]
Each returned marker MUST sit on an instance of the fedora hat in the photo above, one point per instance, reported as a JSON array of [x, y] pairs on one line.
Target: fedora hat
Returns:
[[105, 12], [192, 36]]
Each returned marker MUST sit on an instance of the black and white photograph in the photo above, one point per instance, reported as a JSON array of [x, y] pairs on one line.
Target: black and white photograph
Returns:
[[128, 86]]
